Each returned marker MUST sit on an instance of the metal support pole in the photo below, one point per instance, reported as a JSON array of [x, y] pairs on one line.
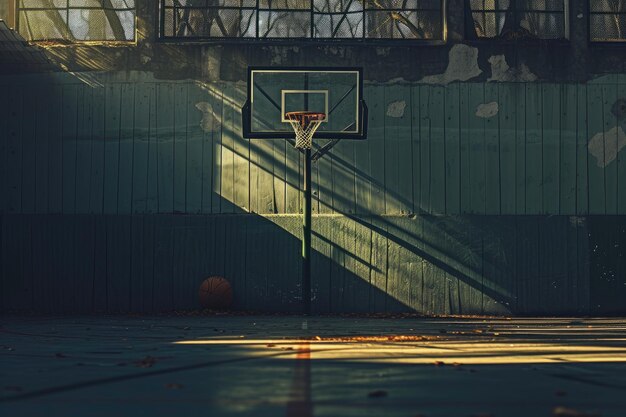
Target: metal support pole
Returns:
[[306, 235]]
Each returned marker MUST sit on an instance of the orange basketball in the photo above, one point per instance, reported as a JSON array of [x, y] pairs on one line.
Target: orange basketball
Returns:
[[216, 293]]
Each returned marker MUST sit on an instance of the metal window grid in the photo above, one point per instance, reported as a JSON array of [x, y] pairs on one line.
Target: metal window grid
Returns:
[[171, 23], [607, 20], [517, 9], [66, 9]]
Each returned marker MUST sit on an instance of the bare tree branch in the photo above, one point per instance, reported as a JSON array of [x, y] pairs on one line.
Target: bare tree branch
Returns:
[[54, 15], [398, 17], [114, 21]]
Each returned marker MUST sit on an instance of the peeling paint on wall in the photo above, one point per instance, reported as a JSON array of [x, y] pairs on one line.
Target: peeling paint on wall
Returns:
[[210, 119], [212, 59], [604, 146], [487, 110], [396, 109], [462, 66], [500, 71]]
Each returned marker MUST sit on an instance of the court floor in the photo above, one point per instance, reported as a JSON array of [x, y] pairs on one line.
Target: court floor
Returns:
[[219, 365]]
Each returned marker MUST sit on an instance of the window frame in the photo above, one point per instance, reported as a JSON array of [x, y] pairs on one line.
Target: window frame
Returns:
[[17, 10], [161, 37], [566, 29], [601, 41]]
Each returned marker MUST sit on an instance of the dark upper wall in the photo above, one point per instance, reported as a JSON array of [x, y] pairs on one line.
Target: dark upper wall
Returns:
[[572, 60]]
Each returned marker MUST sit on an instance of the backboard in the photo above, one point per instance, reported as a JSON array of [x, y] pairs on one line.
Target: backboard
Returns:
[[275, 91]]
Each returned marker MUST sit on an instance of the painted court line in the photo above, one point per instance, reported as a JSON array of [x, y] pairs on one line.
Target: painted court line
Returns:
[[300, 404]]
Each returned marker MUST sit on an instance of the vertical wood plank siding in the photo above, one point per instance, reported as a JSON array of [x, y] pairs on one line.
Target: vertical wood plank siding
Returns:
[[122, 196]]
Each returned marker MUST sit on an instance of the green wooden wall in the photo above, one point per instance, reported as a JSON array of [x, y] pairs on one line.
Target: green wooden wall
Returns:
[[121, 192]]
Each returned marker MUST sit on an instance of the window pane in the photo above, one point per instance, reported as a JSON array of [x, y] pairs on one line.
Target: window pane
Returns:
[[339, 26], [544, 25], [608, 27], [285, 4], [212, 22], [536, 5], [489, 24], [320, 19], [338, 19], [84, 20], [234, 23], [284, 24], [402, 4], [38, 4], [543, 19], [607, 20], [337, 6], [402, 25], [40, 25], [609, 6], [489, 5]]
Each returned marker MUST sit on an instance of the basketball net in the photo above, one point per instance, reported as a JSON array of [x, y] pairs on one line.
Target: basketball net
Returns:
[[304, 124]]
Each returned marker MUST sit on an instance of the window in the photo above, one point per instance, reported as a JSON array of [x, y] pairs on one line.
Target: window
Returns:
[[607, 20], [303, 19], [541, 19], [76, 20]]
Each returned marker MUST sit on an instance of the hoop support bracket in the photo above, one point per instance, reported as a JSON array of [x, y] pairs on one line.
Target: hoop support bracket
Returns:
[[323, 150]]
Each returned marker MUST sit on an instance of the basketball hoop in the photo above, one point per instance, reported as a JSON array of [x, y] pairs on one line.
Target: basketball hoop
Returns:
[[305, 123], [305, 97]]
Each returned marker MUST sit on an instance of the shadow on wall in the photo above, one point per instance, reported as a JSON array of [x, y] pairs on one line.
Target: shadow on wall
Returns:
[[120, 263], [77, 235], [431, 264], [140, 263]]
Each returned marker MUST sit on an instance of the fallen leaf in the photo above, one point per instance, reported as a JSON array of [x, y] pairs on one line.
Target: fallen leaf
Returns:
[[270, 345], [59, 355], [173, 386], [439, 363], [146, 362], [377, 394]]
